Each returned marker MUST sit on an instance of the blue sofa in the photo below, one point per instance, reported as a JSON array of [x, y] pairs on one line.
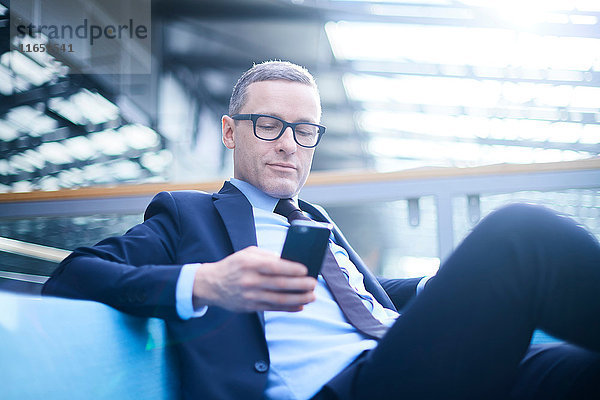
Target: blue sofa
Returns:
[[53, 348]]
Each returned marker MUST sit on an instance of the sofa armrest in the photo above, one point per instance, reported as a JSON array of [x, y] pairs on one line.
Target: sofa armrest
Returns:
[[55, 348]]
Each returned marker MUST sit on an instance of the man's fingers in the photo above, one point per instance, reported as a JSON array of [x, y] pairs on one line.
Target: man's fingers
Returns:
[[287, 299], [270, 307], [279, 266], [269, 263], [281, 298], [253, 280], [275, 301], [288, 284]]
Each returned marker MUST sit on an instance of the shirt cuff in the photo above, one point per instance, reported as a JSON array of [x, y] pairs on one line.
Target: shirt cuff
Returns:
[[184, 292], [422, 283]]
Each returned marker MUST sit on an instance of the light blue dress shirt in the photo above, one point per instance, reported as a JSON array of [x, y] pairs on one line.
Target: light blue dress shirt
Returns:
[[306, 348]]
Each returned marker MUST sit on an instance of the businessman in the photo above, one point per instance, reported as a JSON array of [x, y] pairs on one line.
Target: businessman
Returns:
[[250, 325]]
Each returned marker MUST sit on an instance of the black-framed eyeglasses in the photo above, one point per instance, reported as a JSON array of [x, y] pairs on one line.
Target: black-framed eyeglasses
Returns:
[[267, 127]]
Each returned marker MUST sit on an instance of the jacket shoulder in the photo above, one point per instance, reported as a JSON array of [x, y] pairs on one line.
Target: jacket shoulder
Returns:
[[183, 195], [176, 201]]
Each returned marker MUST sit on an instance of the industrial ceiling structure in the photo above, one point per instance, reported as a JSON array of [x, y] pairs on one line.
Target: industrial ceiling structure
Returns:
[[403, 83]]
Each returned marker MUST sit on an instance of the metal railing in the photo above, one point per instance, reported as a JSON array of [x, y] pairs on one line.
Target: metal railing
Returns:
[[341, 188]]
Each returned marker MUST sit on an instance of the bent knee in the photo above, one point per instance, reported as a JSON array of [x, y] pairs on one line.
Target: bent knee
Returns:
[[521, 218]]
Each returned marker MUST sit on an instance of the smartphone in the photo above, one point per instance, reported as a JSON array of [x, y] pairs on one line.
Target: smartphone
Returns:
[[306, 243]]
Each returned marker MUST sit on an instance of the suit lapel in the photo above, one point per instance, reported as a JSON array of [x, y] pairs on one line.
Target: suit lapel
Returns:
[[371, 283], [236, 212]]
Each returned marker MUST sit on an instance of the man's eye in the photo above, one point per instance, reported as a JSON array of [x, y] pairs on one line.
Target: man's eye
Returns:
[[305, 131], [267, 127]]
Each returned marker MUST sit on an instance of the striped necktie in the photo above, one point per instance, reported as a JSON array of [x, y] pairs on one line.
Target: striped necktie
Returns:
[[348, 300]]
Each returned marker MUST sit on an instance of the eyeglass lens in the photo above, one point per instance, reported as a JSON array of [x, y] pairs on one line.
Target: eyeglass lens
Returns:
[[269, 128]]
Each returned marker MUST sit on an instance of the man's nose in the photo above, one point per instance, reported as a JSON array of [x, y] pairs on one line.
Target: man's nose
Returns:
[[286, 142]]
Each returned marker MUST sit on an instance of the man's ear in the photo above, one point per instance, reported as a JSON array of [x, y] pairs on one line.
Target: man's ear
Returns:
[[227, 130]]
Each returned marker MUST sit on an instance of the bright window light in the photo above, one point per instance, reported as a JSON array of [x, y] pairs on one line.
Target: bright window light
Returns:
[[590, 134], [48, 183], [8, 131], [96, 173], [523, 12], [139, 136], [463, 92], [108, 142], [157, 162], [556, 18], [22, 186], [411, 10], [67, 110], [587, 5], [55, 153], [6, 78], [80, 147], [586, 97], [21, 163], [94, 107], [52, 66], [125, 170], [31, 120], [5, 167], [34, 158], [393, 153], [432, 2], [393, 124], [424, 90], [71, 177], [408, 266], [26, 68], [539, 5], [564, 132], [584, 19], [479, 47]]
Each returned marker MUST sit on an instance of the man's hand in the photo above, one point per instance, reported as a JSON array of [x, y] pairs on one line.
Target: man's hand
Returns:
[[254, 280]]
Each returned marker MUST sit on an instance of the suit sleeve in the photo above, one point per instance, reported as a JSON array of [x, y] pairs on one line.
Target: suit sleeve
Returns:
[[135, 273], [401, 291]]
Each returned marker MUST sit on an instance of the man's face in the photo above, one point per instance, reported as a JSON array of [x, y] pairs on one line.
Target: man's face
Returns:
[[278, 168]]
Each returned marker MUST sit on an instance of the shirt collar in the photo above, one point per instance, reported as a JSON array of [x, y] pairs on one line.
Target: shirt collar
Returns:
[[257, 197]]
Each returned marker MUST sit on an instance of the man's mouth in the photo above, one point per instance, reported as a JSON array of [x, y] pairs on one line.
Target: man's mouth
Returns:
[[282, 166]]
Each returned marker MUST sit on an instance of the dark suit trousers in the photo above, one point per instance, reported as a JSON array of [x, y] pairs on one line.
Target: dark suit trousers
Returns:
[[466, 336]]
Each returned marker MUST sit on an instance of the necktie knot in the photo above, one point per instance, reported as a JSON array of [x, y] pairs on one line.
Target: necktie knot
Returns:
[[288, 209]]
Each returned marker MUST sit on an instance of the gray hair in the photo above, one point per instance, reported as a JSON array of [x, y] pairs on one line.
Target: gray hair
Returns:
[[268, 71]]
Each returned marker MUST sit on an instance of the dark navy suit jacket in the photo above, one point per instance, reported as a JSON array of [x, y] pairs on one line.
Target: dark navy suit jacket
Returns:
[[223, 355]]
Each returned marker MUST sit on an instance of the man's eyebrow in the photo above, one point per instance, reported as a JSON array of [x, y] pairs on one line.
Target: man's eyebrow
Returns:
[[308, 120]]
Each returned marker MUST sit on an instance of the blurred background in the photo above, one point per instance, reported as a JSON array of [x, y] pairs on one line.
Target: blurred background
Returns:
[[459, 84]]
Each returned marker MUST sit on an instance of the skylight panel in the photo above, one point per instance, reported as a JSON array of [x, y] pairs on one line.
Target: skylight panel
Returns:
[[424, 90], [67, 110], [8, 131], [590, 134], [479, 47], [109, 142], [464, 92], [80, 147], [94, 107], [55, 153], [396, 124], [587, 5], [139, 136], [26, 68]]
